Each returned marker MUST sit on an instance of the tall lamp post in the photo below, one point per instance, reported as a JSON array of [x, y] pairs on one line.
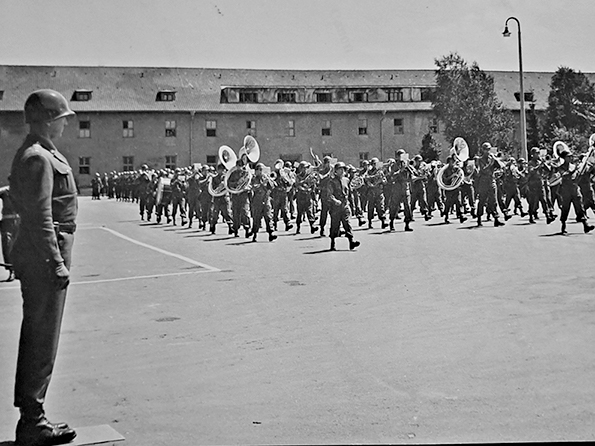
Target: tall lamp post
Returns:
[[506, 33]]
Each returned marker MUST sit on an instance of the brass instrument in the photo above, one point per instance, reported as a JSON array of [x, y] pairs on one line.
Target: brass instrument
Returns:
[[588, 161], [460, 152], [219, 191], [238, 178], [356, 182]]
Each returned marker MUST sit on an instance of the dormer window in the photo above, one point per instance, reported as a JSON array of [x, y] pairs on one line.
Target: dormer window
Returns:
[[81, 95], [166, 96]]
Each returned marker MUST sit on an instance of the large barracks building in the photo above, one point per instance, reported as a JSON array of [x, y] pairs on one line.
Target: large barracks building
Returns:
[[174, 117]]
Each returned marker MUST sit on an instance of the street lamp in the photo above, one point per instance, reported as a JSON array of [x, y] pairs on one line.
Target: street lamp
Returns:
[[506, 33]]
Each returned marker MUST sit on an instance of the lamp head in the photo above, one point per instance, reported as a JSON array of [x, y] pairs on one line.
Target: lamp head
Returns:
[[506, 33]]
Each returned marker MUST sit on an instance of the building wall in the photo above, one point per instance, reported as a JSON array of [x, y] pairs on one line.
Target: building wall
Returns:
[[106, 145]]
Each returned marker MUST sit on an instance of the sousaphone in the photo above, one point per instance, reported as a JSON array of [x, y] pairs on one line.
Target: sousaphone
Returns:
[[460, 152], [238, 178], [227, 157]]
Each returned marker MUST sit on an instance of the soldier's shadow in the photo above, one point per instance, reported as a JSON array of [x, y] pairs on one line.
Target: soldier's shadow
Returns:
[[322, 251], [247, 242]]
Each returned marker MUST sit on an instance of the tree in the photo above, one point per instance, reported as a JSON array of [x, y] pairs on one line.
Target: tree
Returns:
[[466, 102], [570, 114], [430, 150], [533, 134]]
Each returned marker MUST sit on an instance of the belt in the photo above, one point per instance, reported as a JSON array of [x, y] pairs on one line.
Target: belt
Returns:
[[68, 228]]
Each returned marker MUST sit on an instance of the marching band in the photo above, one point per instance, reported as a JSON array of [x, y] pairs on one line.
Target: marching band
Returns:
[[242, 191]]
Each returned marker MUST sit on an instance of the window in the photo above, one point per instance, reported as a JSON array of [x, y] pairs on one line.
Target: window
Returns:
[[211, 127], [166, 96], [290, 128], [395, 95], [212, 160], [127, 163], [434, 125], [81, 95], [358, 96], [84, 165], [249, 97], [128, 129], [1, 94], [362, 127], [170, 129], [170, 161], [398, 123], [286, 96], [363, 156], [84, 129], [324, 97], [251, 127], [326, 128]]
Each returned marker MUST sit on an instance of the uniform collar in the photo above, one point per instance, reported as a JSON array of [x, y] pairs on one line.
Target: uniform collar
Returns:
[[43, 141]]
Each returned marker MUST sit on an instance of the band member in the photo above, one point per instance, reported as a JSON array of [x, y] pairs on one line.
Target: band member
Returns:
[[467, 188], [570, 193], [433, 191], [453, 197], [338, 197], [283, 185], [419, 178], [354, 196], [9, 224], [362, 192], [192, 193], [325, 172], [292, 191], [510, 187], [486, 165], [44, 194], [221, 204], [178, 194], [537, 172], [260, 204], [163, 199], [240, 202], [145, 192], [96, 187], [205, 199], [375, 180], [305, 182], [399, 181]]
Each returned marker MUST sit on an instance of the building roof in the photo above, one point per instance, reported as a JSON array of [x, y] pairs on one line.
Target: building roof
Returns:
[[134, 89]]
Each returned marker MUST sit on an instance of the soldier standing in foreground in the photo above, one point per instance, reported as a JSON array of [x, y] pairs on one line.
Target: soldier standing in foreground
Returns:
[[43, 192]]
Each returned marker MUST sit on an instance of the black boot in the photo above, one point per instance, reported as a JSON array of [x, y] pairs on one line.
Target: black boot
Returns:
[[272, 236], [34, 429], [563, 229], [497, 222], [353, 244], [333, 248], [587, 227], [407, 227]]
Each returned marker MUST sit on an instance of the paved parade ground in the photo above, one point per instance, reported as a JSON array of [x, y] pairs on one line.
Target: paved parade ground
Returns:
[[451, 333]]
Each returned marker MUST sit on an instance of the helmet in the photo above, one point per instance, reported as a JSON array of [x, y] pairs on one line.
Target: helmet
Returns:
[[340, 165], [486, 146], [45, 106]]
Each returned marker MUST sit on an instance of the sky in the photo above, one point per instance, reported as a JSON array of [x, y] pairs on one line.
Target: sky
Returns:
[[297, 34]]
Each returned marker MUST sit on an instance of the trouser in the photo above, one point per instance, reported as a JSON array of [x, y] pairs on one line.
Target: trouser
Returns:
[[587, 193], [163, 208], [240, 207], [193, 208], [434, 198], [487, 199], [305, 207], [511, 192], [8, 230], [571, 195], [375, 203], [468, 193], [324, 213], [536, 195], [177, 203], [400, 195], [205, 200], [221, 206], [452, 200], [280, 206], [418, 195], [43, 308], [260, 210], [340, 216]]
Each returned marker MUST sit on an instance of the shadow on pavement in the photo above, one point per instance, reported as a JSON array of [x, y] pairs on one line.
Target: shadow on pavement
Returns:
[[248, 242]]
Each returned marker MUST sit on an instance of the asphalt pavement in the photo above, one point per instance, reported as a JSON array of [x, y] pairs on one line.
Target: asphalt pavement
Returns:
[[450, 333]]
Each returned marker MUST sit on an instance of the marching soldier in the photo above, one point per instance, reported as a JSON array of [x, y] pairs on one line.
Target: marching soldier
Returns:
[[467, 189], [338, 197], [9, 224], [453, 197], [205, 199], [221, 204], [305, 183], [44, 194], [96, 185], [240, 203], [433, 191], [192, 196], [419, 177], [487, 164], [510, 186], [178, 194], [375, 180], [145, 192], [163, 198], [325, 172], [279, 195], [400, 193], [570, 194], [537, 171], [262, 185]]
